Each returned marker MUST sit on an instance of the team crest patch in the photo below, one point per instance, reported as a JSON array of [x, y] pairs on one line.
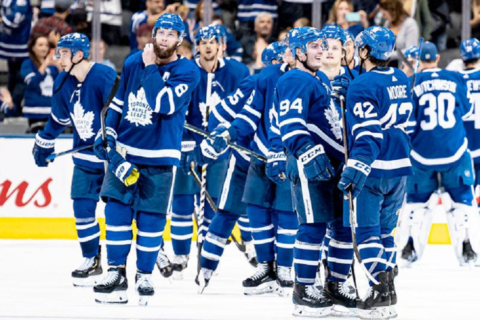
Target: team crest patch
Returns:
[[139, 112], [83, 121], [333, 117], [215, 99]]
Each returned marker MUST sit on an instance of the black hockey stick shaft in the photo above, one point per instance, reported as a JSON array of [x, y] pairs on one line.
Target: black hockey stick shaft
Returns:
[[207, 195], [103, 114], [53, 156], [206, 134], [417, 64]]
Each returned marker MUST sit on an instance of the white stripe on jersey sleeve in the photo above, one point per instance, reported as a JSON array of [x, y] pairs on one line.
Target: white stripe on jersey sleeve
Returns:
[[365, 124], [252, 111], [295, 133], [292, 120], [248, 120], [369, 133], [439, 161]]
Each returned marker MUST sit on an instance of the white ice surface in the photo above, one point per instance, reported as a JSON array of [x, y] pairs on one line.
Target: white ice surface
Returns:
[[35, 284]]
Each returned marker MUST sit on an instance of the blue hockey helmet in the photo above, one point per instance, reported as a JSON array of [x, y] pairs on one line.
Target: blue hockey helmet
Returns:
[[380, 41], [170, 21], [222, 32], [75, 42], [470, 49], [412, 52], [298, 38], [332, 31], [206, 33], [273, 51]]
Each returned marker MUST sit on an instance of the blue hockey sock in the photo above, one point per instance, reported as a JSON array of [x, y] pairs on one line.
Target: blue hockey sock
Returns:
[[285, 237], [118, 218], [371, 250], [216, 239], [87, 227], [149, 238], [307, 251], [340, 251], [181, 224], [390, 250], [244, 226], [262, 232]]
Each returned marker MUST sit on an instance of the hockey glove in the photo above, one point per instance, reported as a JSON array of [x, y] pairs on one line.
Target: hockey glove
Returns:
[[188, 150], [353, 177], [99, 148], [205, 153], [222, 136], [125, 171], [340, 85], [42, 149], [292, 169], [316, 164], [276, 166]]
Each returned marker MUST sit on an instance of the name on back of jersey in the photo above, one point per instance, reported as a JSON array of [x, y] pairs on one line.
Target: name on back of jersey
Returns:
[[435, 85]]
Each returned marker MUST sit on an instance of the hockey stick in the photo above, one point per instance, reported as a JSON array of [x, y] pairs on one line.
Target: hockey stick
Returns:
[[103, 114], [352, 213], [417, 64], [53, 156], [234, 146], [405, 60]]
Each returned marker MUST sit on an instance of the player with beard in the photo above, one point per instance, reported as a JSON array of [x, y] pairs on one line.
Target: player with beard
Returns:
[[217, 79], [146, 120]]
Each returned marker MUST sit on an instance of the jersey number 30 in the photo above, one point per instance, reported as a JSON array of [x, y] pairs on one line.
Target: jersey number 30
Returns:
[[440, 111]]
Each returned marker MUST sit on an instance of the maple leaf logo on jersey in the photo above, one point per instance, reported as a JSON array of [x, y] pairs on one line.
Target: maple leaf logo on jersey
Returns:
[[47, 86], [333, 118], [139, 112], [83, 121], [215, 99]]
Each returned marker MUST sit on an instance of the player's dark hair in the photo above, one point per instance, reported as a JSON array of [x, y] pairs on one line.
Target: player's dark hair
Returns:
[[375, 61], [31, 43], [61, 9], [470, 61]]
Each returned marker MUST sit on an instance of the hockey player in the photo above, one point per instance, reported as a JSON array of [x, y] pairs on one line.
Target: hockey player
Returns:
[[218, 78], [146, 118], [378, 107], [78, 98], [411, 56], [440, 150], [231, 207]]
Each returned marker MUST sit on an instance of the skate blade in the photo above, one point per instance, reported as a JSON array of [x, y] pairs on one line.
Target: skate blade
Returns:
[[284, 292], [86, 282], [344, 312], [393, 312], [143, 300], [380, 313], [267, 287], [116, 297], [307, 312]]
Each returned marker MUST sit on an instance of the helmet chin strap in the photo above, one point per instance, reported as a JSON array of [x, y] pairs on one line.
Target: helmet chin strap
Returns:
[[344, 58], [68, 73], [305, 64]]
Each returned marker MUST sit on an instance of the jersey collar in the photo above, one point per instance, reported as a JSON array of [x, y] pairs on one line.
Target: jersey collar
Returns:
[[432, 70], [468, 71], [383, 70], [221, 63]]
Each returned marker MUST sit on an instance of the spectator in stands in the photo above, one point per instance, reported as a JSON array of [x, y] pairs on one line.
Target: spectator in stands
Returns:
[[6, 103], [342, 15], [38, 73], [15, 25], [402, 25], [475, 21], [283, 34], [101, 58], [418, 9], [79, 21], [254, 46], [439, 12], [55, 26], [302, 22], [111, 19], [148, 16], [144, 36]]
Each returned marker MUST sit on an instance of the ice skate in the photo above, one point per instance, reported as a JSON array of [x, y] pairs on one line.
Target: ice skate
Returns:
[[113, 287], [144, 287], [393, 293], [345, 303], [376, 305], [251, 254], [88, 274], [284, 281], [309, 302], [263, 281], [163, 264], [203, 278], [179, 263], [469, 256], [409, 254]]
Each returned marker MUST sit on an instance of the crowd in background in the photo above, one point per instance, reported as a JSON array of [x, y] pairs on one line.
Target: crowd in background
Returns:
[[30, 29]]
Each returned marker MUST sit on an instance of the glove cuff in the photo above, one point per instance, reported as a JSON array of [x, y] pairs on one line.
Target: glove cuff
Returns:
[[188, 146], [44, 143], [276, 156], [360, 166], [310, 153], [111, 132], [232, 132], [208, 151]]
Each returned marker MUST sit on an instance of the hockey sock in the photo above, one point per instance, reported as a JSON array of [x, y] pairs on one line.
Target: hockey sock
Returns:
[[371, 250], [181, 224], [87, 226], [286, 232], [340, 251], [118, 218], [149, 238], [262, 232], [388, 242], [307, 251], [244, 226], [216, 239]]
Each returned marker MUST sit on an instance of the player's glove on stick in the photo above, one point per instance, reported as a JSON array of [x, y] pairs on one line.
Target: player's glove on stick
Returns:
[[222, 136], [205, 153], [340, 85], [99, 147], [276, 165], [354, 176], [292, 169], [316, 164], [125, 171], [188, 155], [42, 149]]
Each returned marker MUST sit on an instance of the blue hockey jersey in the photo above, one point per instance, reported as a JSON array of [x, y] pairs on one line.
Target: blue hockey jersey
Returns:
[[440, 104], [148, 111], [472, 122], [79, 104], [378, 108], [15, 29], [38, 90]]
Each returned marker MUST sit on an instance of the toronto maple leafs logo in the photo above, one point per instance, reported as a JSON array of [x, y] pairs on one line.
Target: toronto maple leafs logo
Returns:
[[214, 100], [46, 86], [82, 120], [139, 112], [333, 117]]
